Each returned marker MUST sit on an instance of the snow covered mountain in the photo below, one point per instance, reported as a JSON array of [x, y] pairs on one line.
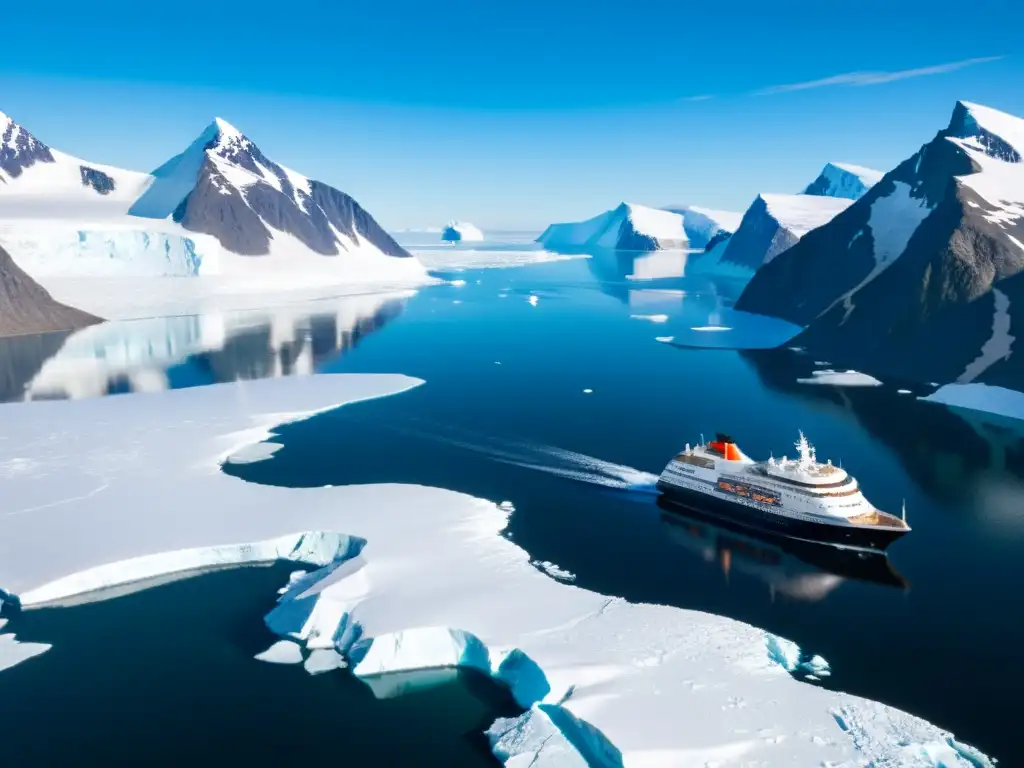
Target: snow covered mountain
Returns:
[[223, 185], [628, 228], [703, 224], [923, 276], [37, 181], [220, 199], [461, 231], [26, 307], [771, 224], [843, 180]]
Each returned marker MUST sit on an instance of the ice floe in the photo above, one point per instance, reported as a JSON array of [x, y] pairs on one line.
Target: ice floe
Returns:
[[980, 397], [651, 318], [840, 379], [604, 681]]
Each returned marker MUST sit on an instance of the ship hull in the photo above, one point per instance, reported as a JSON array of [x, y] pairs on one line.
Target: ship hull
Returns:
[[867, 537]]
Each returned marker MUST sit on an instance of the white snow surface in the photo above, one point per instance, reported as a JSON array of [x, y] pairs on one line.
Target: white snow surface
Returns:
[[461, 231], [57, 187], [640, 685], [786, 218], [998, 182], [702, 224], [980, 397], [802, 213], [841, 379], [608, 229], [894, 220]]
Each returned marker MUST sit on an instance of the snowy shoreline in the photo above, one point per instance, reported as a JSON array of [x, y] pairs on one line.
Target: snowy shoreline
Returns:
[[395, 590]]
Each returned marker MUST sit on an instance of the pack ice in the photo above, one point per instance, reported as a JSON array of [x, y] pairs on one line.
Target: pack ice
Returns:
[[603, 682]]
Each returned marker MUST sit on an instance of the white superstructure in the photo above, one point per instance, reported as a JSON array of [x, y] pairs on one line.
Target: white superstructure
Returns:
[[802, 488]]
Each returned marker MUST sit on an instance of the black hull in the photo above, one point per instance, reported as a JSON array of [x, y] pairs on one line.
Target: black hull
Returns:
[[860, 565], [876, 538]]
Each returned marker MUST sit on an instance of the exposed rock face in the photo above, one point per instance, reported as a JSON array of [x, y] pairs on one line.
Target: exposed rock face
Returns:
[[19, 149], [774, 223], [98, 180], [921, 277], [26, 307], [720, 239], [224, 186]]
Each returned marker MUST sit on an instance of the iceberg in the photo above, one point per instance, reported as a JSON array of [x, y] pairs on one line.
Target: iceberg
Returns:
[[999, 401], [602, 677], [461, 231], [628, 227]]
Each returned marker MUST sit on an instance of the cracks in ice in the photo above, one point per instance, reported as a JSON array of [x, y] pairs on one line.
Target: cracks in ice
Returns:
[[316, 613], [61, 502]]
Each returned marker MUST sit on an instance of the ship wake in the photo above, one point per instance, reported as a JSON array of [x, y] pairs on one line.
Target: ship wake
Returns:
[[552, 460]]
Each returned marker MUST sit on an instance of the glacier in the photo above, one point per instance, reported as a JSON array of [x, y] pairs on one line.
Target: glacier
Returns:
[[54, 249], [603, 679]]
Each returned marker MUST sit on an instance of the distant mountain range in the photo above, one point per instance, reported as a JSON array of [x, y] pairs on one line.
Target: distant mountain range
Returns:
[[776, 222], [734, 243], [922, 276], [221, 186]]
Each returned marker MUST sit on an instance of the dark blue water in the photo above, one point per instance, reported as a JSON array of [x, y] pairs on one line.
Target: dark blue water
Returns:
[[166, 677], [507, 358]]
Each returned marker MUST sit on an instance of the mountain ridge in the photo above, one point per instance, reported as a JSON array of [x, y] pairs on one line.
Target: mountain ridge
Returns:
[[923, 276]]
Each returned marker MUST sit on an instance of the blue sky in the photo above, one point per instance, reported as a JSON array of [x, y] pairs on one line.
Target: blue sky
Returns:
[[514, 115]]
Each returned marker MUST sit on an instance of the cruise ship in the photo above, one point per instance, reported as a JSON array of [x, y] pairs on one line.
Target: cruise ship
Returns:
[[799, 497]]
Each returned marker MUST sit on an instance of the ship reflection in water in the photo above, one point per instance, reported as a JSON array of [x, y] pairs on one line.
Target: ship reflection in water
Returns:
[[799, 570]]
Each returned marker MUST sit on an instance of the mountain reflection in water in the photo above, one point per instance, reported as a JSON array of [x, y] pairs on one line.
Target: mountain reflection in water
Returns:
[[963, 459], [156, 354]]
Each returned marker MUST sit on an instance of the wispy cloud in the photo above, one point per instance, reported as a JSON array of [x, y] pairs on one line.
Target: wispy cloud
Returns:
[[874, 78], [698, 98]]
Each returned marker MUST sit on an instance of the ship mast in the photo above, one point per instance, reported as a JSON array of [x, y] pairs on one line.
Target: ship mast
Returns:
[[805, 451]]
